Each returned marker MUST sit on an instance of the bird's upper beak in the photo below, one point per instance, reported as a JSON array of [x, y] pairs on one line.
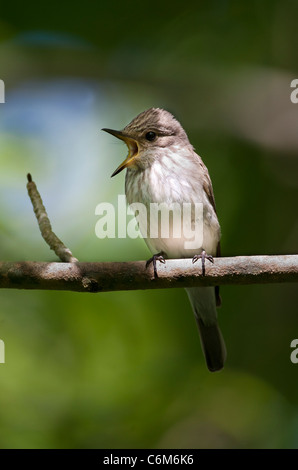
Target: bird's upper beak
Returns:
[[133, 149]]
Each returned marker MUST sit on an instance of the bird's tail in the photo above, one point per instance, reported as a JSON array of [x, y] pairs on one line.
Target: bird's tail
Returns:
[[203, 302]]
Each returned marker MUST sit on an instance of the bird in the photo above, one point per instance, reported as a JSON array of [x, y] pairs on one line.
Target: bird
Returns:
[[162, 167]]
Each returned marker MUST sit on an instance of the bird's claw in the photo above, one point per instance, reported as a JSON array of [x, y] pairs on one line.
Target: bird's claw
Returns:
[[203, 256], [158, 257]]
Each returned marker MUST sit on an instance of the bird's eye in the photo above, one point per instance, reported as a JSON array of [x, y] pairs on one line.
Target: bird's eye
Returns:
[[150, 136]]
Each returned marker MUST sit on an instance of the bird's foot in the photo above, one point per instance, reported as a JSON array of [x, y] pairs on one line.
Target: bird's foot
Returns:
[[203, 256], [158, 257]]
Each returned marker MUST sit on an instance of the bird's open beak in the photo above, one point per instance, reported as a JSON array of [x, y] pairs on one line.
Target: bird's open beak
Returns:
[[132, 145]]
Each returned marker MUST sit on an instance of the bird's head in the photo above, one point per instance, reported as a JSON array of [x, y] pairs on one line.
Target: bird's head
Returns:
[[146, 135]]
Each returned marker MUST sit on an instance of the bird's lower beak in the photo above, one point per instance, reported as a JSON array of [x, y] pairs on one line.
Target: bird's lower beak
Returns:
[[133, 149]]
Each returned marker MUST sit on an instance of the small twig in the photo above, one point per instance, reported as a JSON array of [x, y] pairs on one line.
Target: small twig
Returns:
[[44, 224]]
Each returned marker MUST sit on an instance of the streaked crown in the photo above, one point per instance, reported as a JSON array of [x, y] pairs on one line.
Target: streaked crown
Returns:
[[156, 120]]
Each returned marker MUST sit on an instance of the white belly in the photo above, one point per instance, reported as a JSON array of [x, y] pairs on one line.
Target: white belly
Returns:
[[198, 230]]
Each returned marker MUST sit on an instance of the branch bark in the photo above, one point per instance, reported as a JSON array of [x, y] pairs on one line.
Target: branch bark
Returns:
[[104, 277]]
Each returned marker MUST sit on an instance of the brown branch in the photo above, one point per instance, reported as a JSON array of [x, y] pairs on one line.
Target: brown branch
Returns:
[[44, 224], [100, 277]]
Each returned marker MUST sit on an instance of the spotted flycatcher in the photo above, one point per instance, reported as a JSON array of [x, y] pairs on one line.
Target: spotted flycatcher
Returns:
[[163, 168]]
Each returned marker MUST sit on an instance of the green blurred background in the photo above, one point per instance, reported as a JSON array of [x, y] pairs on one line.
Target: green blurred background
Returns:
[[125, 370]]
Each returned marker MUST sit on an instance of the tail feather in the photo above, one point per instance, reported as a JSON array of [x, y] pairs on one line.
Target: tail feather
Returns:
[[204, 306], [213, 345]]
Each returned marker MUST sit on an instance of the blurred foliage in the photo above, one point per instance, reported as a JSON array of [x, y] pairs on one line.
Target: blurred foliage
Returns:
[[126, 369]]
